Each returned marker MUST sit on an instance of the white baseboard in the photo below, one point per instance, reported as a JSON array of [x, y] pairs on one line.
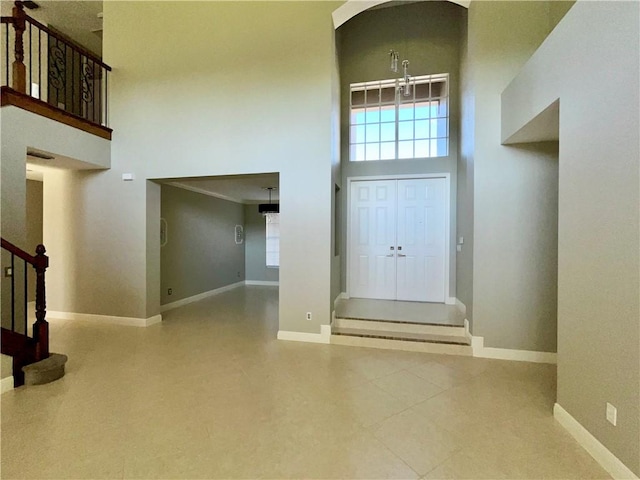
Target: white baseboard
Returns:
[[450, 300], [591, 444], [344, 295], [89, 317], [323, 337], [262, 282], [461, 306], [200, 296], [480, 351], [6, 384]]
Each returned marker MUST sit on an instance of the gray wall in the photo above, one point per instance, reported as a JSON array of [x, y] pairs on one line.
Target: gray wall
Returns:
[[201, 253], [428, 35], [513, 191], [255, 245], [598, 234]]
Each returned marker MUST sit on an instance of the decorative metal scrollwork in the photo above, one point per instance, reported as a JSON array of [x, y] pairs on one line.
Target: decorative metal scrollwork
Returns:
[[57, 67], [87, 77]]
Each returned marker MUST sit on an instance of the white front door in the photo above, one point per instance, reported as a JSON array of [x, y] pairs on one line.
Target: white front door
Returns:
[[421, 240], [397, 239], [372, 240]]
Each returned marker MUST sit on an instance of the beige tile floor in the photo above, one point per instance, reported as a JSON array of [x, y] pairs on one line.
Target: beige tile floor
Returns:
[[432, 313], [210, 393]]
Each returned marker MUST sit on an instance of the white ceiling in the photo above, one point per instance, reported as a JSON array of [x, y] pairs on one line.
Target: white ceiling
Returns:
[[237, 188]]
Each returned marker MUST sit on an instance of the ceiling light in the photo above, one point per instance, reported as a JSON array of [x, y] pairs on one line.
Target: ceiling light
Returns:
[[265, 208]]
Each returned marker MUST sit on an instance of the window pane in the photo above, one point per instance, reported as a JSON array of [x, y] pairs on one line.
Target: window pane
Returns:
[[422, 90], [439, 147], [422, 148], [405, 112], [388, 114], [405, 130], [388, 95], [422, 110], [357, 134], [357, 153], [373, 151], [405, 149], [273, 239], [387, 132], [373, 115], [373, 133], [422, 129], [388, 151], [440, 108], [439, 89], [357, 98], [439, 127], [357, 117], [373, 96], [442, 147]]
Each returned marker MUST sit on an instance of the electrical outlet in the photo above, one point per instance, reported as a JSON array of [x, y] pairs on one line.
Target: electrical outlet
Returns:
[[308, 315], [612, 414], [238, 274], [8, 272], [170, 291]]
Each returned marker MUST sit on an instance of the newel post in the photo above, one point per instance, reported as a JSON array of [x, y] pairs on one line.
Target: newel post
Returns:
[[19, 69], [41, 327]]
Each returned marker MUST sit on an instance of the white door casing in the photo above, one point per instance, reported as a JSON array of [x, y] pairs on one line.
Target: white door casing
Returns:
[[398, 238]]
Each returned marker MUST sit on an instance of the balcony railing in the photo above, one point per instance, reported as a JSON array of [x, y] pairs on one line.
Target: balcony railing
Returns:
[[45, 65]]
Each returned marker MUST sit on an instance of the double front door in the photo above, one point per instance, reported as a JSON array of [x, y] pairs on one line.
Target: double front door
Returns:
[[397, 239]]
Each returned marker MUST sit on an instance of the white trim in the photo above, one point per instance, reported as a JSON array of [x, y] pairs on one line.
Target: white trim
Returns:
[[344, 296], [262, 282], [450, 301], [480, 351], [591, 444], [447, 213], [351, 8], [323, 337], [6, 384], [461, 306], [467, 332], [114, 320], [200, 296]]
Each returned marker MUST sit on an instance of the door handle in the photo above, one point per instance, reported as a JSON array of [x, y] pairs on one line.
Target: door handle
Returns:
[[390, 255], [401, 255]]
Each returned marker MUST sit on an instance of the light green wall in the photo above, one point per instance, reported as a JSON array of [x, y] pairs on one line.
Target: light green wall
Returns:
[[256, 247], [428, 35], [599, 239], [200, 254]]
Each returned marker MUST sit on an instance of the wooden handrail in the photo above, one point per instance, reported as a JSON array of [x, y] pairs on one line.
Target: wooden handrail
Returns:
[[18, 252], [64, 39], [6, 19]]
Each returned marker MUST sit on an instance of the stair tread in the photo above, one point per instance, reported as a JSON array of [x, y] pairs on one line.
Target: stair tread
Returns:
[[403, 322], [412, 337]]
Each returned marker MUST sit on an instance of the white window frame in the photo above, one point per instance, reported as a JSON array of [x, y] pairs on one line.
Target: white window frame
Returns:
[[384, 124], [272, 239]]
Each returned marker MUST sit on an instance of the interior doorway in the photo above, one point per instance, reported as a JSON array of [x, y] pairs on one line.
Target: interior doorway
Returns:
[[398, 238]]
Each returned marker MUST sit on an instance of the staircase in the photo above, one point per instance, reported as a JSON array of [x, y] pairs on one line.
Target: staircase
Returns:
[[404, 335], [32, 362]]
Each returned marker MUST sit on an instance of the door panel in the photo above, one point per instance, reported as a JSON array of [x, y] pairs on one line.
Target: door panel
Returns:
[[372, 265], [421, 240]]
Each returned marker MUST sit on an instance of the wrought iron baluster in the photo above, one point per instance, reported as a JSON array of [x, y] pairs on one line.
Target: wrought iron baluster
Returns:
[[39, 64], [6, 51], [13, 294], [30, 62], [26, 327]]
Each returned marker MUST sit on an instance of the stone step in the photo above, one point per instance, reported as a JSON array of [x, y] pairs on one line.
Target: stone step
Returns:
[[46, 370], [400, 327], [408, 342]]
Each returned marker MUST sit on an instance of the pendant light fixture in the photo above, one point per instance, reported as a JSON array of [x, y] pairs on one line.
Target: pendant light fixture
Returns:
[[405, 88], [265, 208]]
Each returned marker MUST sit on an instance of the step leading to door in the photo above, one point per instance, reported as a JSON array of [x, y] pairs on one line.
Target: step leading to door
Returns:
[[399, 327]]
